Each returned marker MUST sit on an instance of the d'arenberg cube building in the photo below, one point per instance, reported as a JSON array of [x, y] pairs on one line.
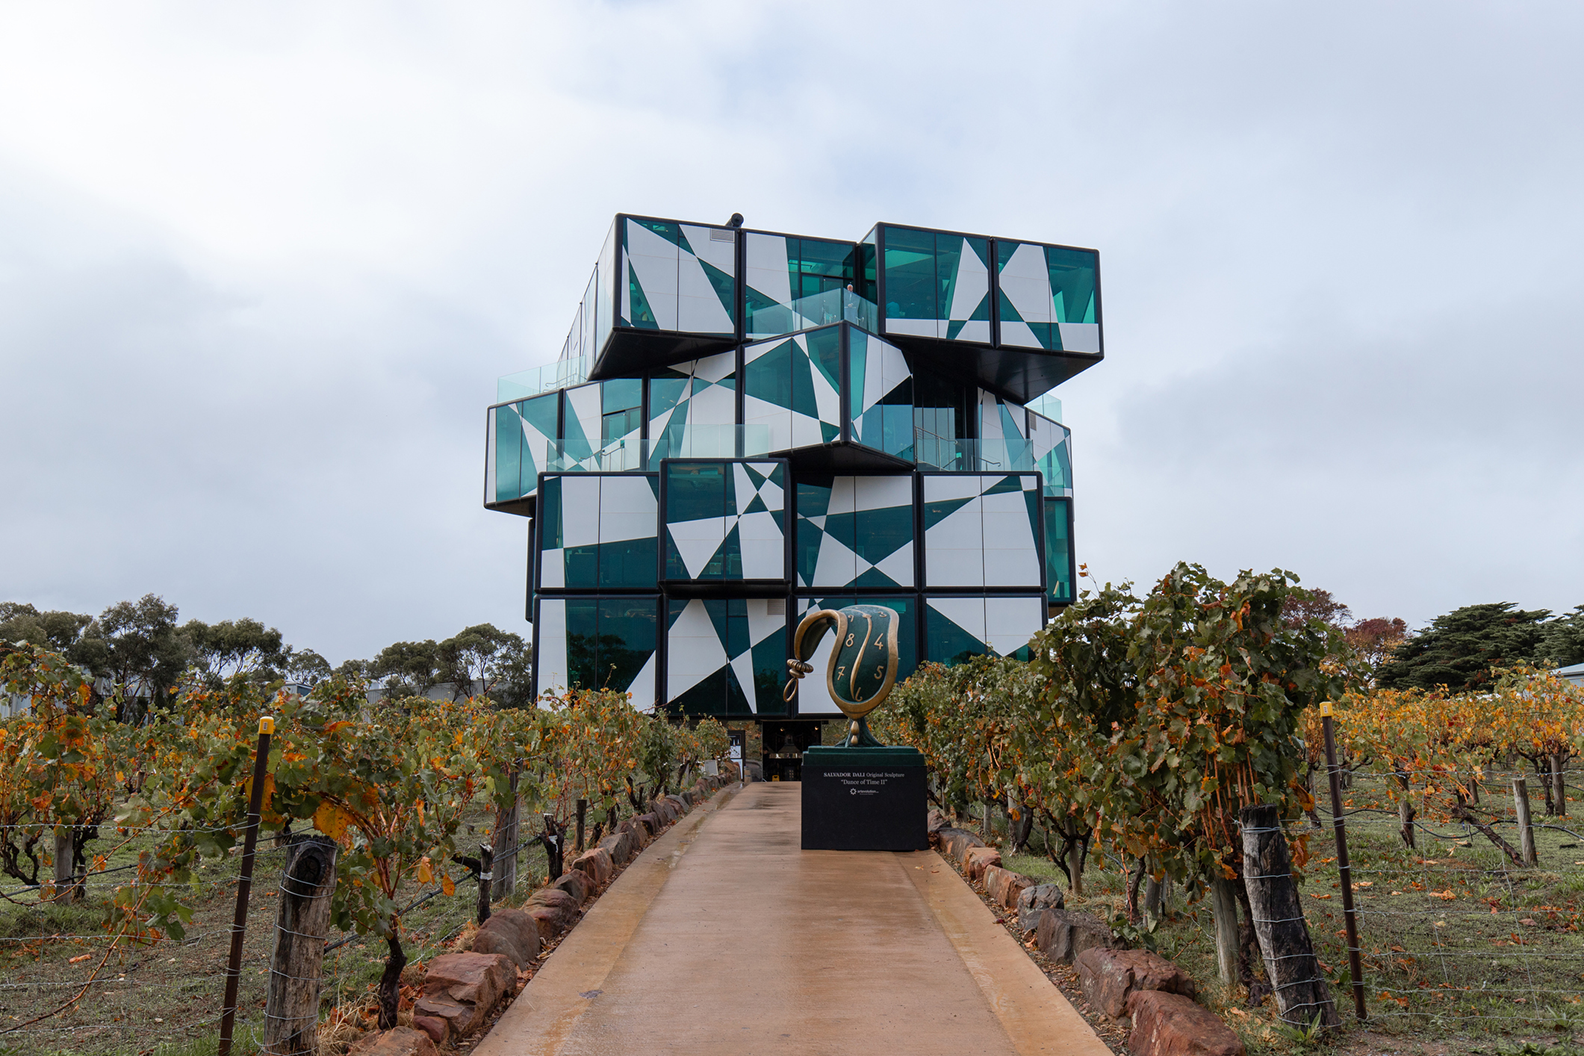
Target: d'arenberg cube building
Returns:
[[744, 425]]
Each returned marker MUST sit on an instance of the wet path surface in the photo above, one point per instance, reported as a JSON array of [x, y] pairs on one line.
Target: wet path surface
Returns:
[[725, 937]]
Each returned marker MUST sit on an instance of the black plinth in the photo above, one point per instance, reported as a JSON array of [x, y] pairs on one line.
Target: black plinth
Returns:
[[864, 799]]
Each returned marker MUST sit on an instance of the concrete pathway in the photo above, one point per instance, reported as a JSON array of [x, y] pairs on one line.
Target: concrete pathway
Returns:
[[724, 937]]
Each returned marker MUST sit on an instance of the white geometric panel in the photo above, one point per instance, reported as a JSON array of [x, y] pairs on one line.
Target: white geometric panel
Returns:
[[580, 509], [762, 543], [693, 650], [1080, 337], [1011, 622], [550, 657], [767, 267], [1011, 554], [954, 544], [641, 691], [1026, 284], [654, 260], [915, 327], [714, 245], [697, 541], [699, 308], [967, 613], [713, 404], [766, 618], [969, 291], [627, 508]]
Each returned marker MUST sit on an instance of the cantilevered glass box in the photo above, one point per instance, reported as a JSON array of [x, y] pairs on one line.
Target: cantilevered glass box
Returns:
[[744, 425]]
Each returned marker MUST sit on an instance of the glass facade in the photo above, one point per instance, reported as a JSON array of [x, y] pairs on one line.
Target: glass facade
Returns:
[[935, 284], [721, 388], [726, 656], [598, 642], [1059, 586]]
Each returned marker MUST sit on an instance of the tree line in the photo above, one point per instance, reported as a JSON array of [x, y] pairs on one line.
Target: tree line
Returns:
[[1463, 649], [138, 654]]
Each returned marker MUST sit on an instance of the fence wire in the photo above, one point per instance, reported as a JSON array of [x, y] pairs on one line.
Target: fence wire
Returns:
[[1452, 930], [170, 993]]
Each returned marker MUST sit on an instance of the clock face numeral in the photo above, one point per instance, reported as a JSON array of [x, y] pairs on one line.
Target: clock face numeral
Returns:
[[841, 671], [880, 672], [849, 641], [879, 642]]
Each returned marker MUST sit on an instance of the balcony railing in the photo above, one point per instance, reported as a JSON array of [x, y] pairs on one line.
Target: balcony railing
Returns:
[[561, 374], [515, 468], [817, 309], [516, 472], [991, 456]]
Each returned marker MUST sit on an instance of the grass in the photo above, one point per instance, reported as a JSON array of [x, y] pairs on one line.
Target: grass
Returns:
[[165, 999], [1462, 951]]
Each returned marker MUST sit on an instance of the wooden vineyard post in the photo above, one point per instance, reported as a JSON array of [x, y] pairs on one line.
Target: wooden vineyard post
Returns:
[[66, 887], [486, 880], [244, 886], [582, 813], [1223, 909], [1344, 870], [507, 826], [1301, 993], [1559, 784], [1525, 823], [291, 1011]]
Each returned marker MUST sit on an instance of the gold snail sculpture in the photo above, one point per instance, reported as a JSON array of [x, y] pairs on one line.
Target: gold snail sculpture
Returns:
[[863, 664]]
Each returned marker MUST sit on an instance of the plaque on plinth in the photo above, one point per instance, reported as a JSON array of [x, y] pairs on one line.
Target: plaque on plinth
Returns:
[[864, 799], [859, 795]]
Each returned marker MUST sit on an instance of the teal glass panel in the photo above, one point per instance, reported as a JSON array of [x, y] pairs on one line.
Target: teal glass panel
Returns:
[[508, 452], [550, 515], [695, 490], [582, 642], [910, 288], [867, 285], [700, 491], [619, 394], [825, 353], [627, 639], [948, 251], [879, 534], [1072, 281], [769, 377], [540, 412], [857, 368], [820, 265], [946, 643], [582, 566], [629, 564], [769, 674], [618, 424], [813, 500], [1058, 552]]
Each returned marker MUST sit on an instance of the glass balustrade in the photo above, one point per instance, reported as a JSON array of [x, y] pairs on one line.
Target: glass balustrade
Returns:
[[558, 375], [516, 471]]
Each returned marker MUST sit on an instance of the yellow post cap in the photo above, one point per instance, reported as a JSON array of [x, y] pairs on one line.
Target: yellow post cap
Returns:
[[266, 724], [1325, 709]]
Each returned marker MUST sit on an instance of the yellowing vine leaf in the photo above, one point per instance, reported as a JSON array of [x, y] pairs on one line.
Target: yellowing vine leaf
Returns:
[[331, 820]]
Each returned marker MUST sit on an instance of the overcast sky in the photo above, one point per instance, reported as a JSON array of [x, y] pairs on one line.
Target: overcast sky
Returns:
[[261, 264]]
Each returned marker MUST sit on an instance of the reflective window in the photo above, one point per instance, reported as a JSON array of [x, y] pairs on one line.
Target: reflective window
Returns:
[[1058, 551], [609, 641], [910, 274], [1072, 280]]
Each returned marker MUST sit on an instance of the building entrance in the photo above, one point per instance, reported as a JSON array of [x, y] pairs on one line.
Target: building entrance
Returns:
[[784, 744]]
